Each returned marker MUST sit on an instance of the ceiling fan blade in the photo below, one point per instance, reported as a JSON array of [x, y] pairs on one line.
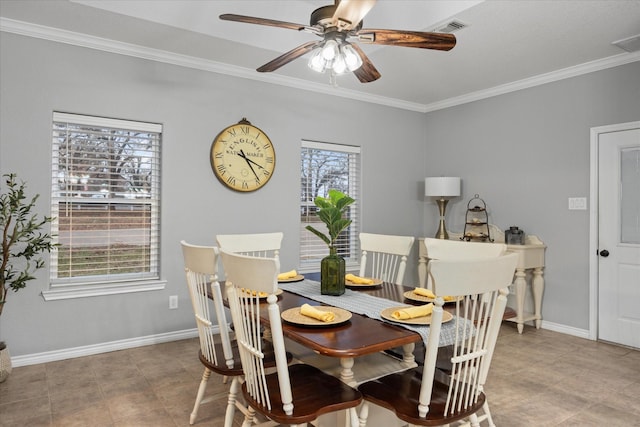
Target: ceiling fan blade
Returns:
[[262, 21], [349, 13], [438, 41], [367, 72], [288, 57]]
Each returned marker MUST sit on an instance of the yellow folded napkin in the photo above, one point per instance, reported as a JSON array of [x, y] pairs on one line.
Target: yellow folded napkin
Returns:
[[310, 311], [413, 312], [254, 293], [424, 292], [287, 275], [427, 293], [358, 280]]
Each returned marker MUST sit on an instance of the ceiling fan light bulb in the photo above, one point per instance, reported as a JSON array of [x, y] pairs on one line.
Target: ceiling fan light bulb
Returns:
[[351, 57], [317, 62], [339, 64], [330, 50]]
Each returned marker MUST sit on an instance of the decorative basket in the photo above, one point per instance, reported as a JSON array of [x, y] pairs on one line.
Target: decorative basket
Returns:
[[5, 363]]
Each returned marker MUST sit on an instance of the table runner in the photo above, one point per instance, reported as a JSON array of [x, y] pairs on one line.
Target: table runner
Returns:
[[371, 306]]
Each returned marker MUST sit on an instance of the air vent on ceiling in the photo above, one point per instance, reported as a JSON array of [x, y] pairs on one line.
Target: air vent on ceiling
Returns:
[[451, 26], [630, 44]]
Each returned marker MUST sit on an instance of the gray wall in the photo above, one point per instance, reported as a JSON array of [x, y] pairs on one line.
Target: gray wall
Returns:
[[525, 153], [39, 77]]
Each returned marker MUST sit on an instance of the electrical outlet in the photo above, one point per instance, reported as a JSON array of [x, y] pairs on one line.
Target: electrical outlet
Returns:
[[577, 203], [173, 302]]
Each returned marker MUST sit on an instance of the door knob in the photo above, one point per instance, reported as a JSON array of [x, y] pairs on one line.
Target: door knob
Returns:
[[604, 253]]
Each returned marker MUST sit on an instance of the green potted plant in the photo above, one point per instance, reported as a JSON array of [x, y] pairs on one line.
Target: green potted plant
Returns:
[[331, 211], [22, 244]]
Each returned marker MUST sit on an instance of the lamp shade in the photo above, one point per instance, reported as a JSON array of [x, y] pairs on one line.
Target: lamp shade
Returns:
[[442, 186]]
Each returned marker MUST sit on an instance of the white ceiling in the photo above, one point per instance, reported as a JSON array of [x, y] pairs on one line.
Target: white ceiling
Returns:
[[507, 45]]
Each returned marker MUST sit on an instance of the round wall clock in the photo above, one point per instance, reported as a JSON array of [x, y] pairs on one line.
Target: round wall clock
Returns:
[[242, 157]]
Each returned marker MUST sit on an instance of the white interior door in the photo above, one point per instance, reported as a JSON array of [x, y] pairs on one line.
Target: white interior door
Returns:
[[619, 236]]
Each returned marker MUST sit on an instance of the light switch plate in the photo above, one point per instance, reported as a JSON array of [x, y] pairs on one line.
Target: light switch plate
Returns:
[[577, 203]]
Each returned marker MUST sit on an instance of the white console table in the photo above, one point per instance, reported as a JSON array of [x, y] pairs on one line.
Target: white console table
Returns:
[[530, 257]]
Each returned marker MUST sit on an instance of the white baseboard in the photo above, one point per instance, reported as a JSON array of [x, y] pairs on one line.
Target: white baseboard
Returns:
[[70, 353], [88, 350], [564, 329]]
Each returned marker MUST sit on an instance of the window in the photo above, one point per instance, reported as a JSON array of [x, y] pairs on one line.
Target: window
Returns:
[[325, 166], [105, 203]]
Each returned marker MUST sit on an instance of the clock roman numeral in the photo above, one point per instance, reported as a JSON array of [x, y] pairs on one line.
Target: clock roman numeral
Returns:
[[244, 130], [221, 169], [231, 132], [218, 154], [231, 180], [245, 185], [269, 159]]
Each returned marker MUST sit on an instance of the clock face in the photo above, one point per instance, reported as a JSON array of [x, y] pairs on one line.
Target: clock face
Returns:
[[242, 157]]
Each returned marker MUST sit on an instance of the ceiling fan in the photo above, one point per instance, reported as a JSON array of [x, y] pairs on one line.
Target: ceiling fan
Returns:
[[336, 24]]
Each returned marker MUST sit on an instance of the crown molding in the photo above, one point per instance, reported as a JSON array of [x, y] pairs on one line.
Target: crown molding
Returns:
[[565, 73], [128, 49], [122, 48]]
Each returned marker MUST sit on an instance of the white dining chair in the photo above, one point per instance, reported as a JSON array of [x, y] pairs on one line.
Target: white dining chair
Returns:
[[218, 352], [458, 250], [444, 249], [384, 256], [266, 245], [295, 394], [429, 396]]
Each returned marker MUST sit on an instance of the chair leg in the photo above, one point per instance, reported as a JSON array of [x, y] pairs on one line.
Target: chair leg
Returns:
[[201, 390], [248, 418], [231, 402], [487, 414], [364, 413], [353, 417]]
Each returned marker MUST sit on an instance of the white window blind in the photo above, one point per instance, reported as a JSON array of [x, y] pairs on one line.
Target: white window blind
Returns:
[[326, 166], [105, 200]]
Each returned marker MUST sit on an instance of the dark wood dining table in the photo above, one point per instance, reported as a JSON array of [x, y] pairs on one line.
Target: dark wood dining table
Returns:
[[359, 336]]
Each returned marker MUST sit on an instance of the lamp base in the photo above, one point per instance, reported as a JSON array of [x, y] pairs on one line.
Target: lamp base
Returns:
[[442, 229]]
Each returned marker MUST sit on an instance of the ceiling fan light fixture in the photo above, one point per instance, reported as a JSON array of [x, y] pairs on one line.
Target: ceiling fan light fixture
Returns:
[[339, 65], [330, 50], [317, 62], [351, 57]]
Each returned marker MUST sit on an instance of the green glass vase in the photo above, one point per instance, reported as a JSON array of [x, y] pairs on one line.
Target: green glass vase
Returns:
[[332, 271]]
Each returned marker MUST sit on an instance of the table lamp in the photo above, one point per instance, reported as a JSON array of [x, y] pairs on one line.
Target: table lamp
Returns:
[[442, 187]]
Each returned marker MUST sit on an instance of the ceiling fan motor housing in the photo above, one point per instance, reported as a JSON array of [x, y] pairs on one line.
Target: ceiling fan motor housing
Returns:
[[323, 16]]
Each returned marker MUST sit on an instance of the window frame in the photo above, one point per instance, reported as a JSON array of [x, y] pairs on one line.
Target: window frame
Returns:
[[110, 283], [309, 258]]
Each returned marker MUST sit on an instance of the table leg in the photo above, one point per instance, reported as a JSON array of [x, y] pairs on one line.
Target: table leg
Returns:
[[408, 358], [521, 289], [537, 287], [346, 375]]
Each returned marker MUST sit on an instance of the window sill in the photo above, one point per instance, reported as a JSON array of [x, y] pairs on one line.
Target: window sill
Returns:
[[101, 290]]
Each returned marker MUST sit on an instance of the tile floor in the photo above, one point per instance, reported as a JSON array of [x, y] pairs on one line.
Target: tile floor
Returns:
[[539, 378]]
